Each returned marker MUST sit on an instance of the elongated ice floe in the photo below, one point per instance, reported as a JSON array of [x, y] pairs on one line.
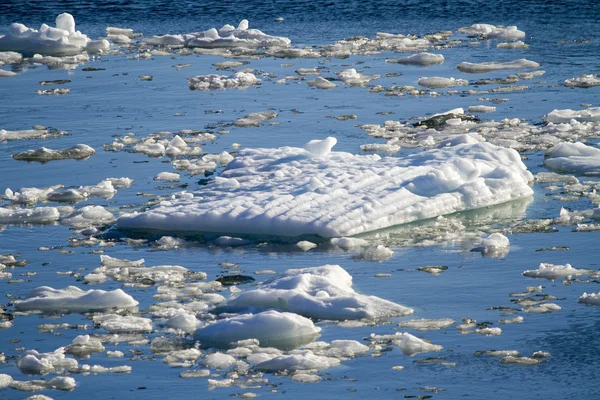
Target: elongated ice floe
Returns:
[[73, 299], [436, 82], [321, 292], [42, 133], [576, 158], [551, 271], [43, 154], [590, 298], [591, 114], [212, 81], [63, 40], [487, 31], [32, 362], [353, 77], [272, 328], [422, 59], [292, 191], [37, 215], [476, 68], [583, 81]]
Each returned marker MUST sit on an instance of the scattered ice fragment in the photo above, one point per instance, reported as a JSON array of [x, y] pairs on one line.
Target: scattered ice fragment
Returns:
[[305, 378], [519, 44], [115, 323], [439, 82], [212, 81], [43, 154], [481, 109], [89, 215], [521, 360], [167, 176], [551, 271], [321, 83], [515, 320], [183, 321], [478, 68], [487, 331], [487, 31], [591, 298], [321, 292], [421, 59], [305, 245], [495, 245], [426, 324], [271, 328], [412, 345], [198, 373], [360, 193], [352, 77], [583, 81], [297, 360], [219, 361], [84, 345], [5, 380], [591, 114], [376, 253], [73, 299], [32, 362], [348, 243]]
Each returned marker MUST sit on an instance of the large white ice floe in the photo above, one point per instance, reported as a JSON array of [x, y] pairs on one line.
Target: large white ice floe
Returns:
[[271, 328], [320, 292], [476, 68], [63, 40], [576, 158], [36, 215], [292, 191], [73, 299], [213, 81]]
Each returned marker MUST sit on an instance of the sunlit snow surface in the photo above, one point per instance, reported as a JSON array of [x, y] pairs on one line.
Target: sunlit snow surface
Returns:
[[292, 192]]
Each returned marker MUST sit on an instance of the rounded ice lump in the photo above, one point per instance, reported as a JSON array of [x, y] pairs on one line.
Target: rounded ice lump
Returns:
[[277, 196]]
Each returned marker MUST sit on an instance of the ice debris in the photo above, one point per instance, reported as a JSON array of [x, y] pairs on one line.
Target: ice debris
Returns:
[[212, 81]]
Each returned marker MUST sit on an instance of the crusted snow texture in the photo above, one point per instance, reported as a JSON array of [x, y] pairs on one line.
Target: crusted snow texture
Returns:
[[290, 192], [63, 40], [73, 299], [576, 158], [320, 292], [271, 328]]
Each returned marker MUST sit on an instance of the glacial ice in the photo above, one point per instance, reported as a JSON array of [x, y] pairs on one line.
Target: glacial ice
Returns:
[[271, 328], [63, 40], [277, 194], [477, 68], [320, 292], [73, 299], [576, 158]]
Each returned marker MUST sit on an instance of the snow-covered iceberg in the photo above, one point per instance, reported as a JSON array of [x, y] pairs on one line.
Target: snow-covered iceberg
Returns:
[[320, 292], [292, 191], [63, 40], [272, 328]]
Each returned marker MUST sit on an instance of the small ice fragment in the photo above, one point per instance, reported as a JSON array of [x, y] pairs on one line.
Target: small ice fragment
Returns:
[[320, 148]]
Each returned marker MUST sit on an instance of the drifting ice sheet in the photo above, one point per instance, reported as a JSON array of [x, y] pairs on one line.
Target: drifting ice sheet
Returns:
[[291, 191]]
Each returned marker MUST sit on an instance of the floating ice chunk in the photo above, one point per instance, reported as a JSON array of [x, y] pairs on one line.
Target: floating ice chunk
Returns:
[[10, 57], [5, 380], [306, 245], [376, 253], [29, 195], [167, 176], [183, 321], [481, 109], [591, 298], [513, 45], [591, 114], [321, 83], [495, 66], [352, 77], [32, 362], [411, 345], [551, 271], [121, 182], [73, 299], [219, 361], [346, 243], [115, 323], [495, 245], [575, 158], [84, 345], [359, 194], [320, 292], [37, 215], [320, 148], [487, 331], [6, 74], [60, 41], [422, 59], [380, 148], [212, 81], [129, 33], [298, 360], [439, 82], [426, 324], [108, 261], [272, 328], [487, 31], [583, 81], [43, 154], [89, 215], [228, 37]]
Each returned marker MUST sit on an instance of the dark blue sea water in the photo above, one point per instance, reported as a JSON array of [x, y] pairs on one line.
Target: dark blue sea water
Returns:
[[564, 37]]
